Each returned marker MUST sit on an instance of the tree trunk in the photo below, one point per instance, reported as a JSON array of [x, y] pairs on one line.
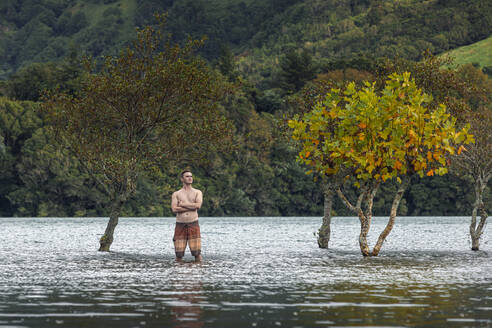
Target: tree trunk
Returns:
[[391, 222], [325, 229], [478, 207], [107, 239], [364, 231], [365, 218], [367, 194]]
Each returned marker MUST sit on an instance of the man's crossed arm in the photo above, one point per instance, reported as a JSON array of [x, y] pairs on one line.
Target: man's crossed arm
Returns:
[[190, 206]]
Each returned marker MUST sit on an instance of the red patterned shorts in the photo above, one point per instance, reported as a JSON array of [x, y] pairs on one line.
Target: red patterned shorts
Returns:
[[187, 233]]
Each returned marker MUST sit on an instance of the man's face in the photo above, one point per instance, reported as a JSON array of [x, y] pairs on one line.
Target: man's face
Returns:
[[187, 178]]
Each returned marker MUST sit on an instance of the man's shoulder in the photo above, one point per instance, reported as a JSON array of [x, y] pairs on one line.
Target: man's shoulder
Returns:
[[177, 192], [197, 190]]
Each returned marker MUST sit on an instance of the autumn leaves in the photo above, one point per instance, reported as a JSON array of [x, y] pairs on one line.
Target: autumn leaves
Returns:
[[378, 135], [367, 137]]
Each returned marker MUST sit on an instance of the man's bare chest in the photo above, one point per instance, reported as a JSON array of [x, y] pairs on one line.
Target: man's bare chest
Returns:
[[187, 196]]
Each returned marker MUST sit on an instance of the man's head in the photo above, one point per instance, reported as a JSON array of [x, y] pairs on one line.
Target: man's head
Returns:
[[186, 177]]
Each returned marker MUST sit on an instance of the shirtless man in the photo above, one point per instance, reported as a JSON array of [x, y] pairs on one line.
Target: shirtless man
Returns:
[[185, 204]]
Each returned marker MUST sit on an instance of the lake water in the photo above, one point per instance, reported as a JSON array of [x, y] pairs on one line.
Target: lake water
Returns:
[[257, 272]]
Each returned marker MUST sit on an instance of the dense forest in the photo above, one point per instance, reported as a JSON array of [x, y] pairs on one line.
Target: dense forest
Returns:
[[272, 51], [257, 31]]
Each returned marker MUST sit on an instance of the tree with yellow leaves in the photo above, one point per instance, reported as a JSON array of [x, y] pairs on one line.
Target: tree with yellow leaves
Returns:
[[374, 137]]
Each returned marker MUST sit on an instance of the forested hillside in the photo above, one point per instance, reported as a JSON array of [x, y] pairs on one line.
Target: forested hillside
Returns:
[[272, 50], [258, 30]]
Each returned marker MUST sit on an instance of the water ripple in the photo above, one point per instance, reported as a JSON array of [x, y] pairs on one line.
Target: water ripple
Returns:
[[256, 271]]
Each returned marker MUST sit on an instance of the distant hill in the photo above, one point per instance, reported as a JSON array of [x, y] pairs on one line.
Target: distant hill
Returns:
[[257, 31]]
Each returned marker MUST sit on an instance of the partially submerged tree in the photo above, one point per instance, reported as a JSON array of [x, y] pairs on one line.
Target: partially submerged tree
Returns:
[[144, 110], [310, 96], [477, 161], [302, 103], [375, 137]]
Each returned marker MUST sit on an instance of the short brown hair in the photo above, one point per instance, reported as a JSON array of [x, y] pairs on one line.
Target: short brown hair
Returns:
[[182, 173]]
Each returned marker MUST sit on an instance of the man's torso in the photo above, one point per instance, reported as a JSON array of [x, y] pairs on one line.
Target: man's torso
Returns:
[[188, 197]]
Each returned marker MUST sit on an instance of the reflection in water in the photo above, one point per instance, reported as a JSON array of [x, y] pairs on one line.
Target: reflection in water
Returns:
[[186, 310], [404, 305], [425, 276]]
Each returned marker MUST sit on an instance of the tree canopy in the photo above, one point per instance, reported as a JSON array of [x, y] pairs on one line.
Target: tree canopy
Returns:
[[145, 110]]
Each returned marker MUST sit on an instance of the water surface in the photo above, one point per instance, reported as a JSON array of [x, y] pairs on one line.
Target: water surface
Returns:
[[257, 272]]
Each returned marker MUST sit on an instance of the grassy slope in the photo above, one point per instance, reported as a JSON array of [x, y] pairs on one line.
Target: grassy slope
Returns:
[[479, 52]]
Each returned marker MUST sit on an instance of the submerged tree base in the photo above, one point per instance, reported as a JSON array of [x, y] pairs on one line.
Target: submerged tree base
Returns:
[[323, 238], [105, 243], [104, 248]]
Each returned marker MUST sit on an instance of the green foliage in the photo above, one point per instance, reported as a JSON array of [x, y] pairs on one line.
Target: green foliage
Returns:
[[41, 31], [17, 124], [52, 182], [296, 70], [30, 82], [37, 178], [445, 85], [270, 100], [261, 177], [68, 24], [226, 64], [445, 195]]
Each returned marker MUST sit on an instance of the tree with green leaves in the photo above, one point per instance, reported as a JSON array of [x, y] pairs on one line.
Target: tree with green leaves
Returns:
[[226, 63], [18, 122], [296, 69], [144, 110], [373, 137], [31, 81]]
